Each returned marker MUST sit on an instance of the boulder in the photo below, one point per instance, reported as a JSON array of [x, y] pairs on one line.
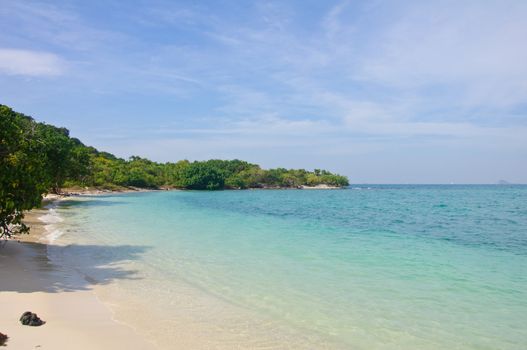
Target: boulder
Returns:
[[3, 338], [30, 319]]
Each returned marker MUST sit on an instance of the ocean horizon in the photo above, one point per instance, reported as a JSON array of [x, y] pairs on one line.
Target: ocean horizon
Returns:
[[369, 266]]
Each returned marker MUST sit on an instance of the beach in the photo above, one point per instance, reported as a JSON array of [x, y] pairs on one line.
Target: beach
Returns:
[[83, 302], [263, 175], [381, 267], [74, 316]]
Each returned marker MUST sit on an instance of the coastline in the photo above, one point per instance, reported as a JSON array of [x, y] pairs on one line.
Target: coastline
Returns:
[[94, 191], [61, 297], [172, 305], [104, 312]]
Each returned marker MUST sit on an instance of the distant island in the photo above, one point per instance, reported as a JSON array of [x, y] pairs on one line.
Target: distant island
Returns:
[[37, 158]]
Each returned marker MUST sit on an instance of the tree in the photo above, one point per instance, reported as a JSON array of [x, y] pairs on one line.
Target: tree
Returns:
[[202, 176], [65, 157], [21, 170]]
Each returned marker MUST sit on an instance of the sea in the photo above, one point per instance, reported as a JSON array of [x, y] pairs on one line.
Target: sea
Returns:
[[364, 267]]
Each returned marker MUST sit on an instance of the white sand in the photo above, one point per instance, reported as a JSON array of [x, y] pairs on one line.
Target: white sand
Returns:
[[75, 318]]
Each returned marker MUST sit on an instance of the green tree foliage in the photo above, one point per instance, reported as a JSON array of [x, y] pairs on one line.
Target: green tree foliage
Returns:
[[173, 174], [20, 181], [36, 158], [65, 157], [203, 176]]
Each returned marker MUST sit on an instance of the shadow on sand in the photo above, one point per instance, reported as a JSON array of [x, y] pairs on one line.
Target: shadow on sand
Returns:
[[35, 267]]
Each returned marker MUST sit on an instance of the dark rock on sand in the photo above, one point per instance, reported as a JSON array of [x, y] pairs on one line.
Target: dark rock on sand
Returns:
[[30, 319], [3, 338]]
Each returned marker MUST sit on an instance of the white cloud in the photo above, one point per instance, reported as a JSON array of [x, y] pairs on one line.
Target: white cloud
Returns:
[[331, 21], [30, 63], [477, 48]]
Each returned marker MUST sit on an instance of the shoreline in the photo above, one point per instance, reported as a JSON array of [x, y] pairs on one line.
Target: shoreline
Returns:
[[58, 295], [97, 313], [69, 192], [183, 317]]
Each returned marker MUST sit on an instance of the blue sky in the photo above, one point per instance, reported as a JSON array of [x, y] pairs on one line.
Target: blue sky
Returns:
[[382, 91]]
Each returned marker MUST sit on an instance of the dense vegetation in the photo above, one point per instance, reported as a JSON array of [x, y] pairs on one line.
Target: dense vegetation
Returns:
[[36, 158]]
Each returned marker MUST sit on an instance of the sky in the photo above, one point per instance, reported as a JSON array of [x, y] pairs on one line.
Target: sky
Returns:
[[380, 91]]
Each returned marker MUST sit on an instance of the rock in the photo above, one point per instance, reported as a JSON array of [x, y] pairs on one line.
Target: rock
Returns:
[[3, 338], [30, 319]]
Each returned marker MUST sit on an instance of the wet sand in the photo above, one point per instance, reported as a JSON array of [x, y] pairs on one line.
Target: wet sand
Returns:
[[74, 316]]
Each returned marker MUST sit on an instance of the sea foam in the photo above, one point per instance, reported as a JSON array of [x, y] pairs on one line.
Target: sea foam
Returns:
[[51, 219]]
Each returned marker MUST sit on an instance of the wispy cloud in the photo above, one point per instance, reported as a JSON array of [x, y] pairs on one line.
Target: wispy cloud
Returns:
[[477, 49], [30, 63], [337, 78]]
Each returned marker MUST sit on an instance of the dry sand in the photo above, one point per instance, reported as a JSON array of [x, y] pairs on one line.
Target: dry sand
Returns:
[[75, 318]]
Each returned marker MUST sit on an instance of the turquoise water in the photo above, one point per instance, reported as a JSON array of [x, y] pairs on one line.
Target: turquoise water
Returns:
[[378, 267]]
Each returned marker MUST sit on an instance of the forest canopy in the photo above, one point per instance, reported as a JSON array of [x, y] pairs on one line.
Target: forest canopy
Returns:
[[37, 158]]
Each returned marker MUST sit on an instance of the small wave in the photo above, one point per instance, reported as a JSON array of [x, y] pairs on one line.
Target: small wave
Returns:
[[53, 235], [51, 218]]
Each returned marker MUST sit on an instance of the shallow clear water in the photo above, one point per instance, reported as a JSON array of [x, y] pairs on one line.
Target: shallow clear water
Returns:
[[384, 267]]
